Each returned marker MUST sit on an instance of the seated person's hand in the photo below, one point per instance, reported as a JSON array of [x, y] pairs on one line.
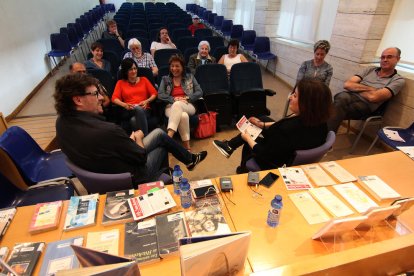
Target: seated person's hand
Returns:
[[143, 104], [183, 99], [137, 135], [255, 121], [129, 106], [246, 136]]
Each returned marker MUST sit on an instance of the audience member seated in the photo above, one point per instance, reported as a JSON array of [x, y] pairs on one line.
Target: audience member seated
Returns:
[[317, 68], [97, 62], [202, 57], [232, 57], [368, 90], [163, 41], [141, 59], [112, 32], [102, 147], [196, 25], [80, 68], [306, 128], [135, 94], [179, 90]]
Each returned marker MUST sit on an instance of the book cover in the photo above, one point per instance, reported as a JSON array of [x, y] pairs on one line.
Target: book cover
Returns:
[[404, 203], [243, 125], [355, 197], [206, 201], [99, 263], [170, 228], [376, 215], [104, 241], [81, 212], [330, 202], [309, 208], [60, 256], [24, 256], [208, 220], [6, 216], [378, 188], [318, 175], [4, 251], [338, 226], [337, 171], [140, 241], [214, 255], [46, 217], [146, 188], [150, 204], [117, 208], [295, 179]]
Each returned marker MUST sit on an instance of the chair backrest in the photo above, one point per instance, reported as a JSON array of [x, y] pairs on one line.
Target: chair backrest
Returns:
[[245, 76], [137, 26], [3, 124], [186, 42], [105, 78], [146, 72], [136, 33], [261, 45], [218, 21], [112, 45], [215, 42], [201, 34], [179, 33], [236, 32], [22, 149], [60, 41], [219, 52], [248, 37], [101, 183], [174, 26], [9, 170], [211, 18], [9, 192], [162, 56], [189, 52], [226, 26], [212, 78], [314, 155]]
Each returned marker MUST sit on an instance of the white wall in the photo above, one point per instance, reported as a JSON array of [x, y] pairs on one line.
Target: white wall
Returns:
[[26, 28]]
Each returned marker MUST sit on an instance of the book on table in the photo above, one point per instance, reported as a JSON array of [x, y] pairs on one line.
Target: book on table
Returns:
[[116, 208], [243, 125], [24, 256], [170, 228], [404, 203], [355, 197], [207, 220], [150, 204], [46, 217], [150, 187], [318, 175], [81, 212], [100, 263], [214, 255], [338, 226], [330, 202], [337, 171], [309, 208], [378, 188], [6, 216], [140, 241], [104, 241], [376, 215], [60, 256], [4, 251]]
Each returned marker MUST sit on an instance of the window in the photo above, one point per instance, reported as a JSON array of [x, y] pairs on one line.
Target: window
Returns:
[[244, 13], [307, 20], [217, 7], [396, 33]]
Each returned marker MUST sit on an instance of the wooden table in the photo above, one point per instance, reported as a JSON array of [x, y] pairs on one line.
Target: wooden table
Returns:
[[291, 242], [286, 249]]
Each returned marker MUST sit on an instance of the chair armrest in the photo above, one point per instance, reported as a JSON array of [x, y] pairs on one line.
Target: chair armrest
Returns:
[[52, 182]]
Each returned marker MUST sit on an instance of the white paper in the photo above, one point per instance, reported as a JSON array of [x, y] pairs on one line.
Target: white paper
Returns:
[[393, 135], [244, 125], [318, 175], [309, 208], [358, 199], [328, 200], [338, 172], [409, 151], [379, 188], [295, 179]]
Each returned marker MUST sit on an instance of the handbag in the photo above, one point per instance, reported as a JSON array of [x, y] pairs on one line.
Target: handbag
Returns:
[[206, 125]]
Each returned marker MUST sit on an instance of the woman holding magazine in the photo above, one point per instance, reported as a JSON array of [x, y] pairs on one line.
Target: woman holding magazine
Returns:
[[306, 128]]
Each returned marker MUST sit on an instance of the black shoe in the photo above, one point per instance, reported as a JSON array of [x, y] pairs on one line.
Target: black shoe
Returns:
[[223, 147], [197, 158]]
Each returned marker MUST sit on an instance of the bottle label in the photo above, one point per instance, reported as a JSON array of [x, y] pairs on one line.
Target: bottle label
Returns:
[[185, 199], [273, 217], [177, 178]]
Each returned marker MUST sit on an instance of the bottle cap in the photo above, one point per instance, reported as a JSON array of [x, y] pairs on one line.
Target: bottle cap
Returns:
[[278, 197], [176, 167]]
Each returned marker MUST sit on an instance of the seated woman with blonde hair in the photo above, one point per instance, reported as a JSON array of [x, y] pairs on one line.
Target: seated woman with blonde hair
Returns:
[[310, 102], [179, 90]]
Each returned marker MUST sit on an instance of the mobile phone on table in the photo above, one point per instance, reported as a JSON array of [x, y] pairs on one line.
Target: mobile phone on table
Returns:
[[269, 179]]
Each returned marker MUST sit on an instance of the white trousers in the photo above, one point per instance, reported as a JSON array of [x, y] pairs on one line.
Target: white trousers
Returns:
[[178, 118]]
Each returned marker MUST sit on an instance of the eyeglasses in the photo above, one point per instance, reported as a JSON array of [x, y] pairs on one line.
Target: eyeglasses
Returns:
[[94, 93], [388, 57]]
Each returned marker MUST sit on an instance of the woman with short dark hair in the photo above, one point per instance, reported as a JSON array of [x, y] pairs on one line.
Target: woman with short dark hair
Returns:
[[179, 90], [163, 41], [306, 128], [233, 57], [97, 61], [135, 95]]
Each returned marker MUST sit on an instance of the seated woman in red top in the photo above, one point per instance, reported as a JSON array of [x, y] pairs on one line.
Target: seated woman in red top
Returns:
[[135, 94]]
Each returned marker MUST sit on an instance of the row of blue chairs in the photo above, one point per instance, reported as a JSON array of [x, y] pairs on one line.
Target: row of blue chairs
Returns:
[[258, 47]]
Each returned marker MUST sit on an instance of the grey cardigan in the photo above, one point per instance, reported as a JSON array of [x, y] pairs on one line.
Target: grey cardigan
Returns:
[[189, 84]]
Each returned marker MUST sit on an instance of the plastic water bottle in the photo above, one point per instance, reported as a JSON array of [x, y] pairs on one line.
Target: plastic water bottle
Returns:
[[273, 215], [185, 194], [177, 176]]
